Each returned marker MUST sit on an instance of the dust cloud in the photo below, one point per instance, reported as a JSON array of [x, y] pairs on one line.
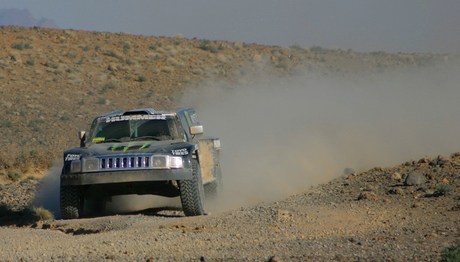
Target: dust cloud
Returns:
[[280, 136], [48, 192]]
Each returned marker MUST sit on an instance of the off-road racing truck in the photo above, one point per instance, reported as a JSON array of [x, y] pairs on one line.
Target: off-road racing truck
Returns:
[[141, 151]]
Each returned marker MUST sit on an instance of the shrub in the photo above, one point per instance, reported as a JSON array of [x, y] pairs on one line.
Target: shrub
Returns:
[[443, 190], [86, 48], [208, 46], [19, 46], [316, 48], [7, 123], [28, 46], [452, 253], [142, 79], [43, 214], [112, 84], [113, 53], [65, 118], [34, 126], [15, 175], [296, 47], [101, 101], [30, 62]]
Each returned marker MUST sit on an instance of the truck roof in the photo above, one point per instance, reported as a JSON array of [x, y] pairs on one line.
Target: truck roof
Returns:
[[142, 111]]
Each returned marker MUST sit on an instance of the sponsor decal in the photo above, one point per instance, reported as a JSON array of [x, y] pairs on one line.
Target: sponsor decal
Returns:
[[179, 152], [144, 146], [114, 147], [98, 139], [136, 117], [72, 157]]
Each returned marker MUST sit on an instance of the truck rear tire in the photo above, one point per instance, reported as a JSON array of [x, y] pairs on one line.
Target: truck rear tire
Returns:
[[192, 192], [71, 202]]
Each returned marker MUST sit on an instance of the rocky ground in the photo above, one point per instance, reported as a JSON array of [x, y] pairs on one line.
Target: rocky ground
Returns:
[[405, 213]]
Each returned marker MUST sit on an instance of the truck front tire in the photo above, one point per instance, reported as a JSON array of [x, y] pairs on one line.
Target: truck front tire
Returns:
[[192, 192], [71, 202]]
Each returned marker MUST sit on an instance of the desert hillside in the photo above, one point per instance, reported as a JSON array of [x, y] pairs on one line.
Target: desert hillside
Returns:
[[54, 82]]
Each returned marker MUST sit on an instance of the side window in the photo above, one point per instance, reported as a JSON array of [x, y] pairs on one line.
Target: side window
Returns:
[[185, 124], [192, 118]]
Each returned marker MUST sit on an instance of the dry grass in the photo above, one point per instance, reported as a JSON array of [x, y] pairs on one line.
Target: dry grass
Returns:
[[43, 214]]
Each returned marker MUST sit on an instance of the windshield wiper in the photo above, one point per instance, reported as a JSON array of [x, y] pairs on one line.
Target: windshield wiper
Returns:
[[145, 138]]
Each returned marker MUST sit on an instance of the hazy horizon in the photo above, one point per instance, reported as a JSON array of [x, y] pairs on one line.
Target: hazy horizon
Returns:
[[392, 26]]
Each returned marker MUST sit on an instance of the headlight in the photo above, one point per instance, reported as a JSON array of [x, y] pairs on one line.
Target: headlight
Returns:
[[176, 162], [90, 164], [75, 166], [159, 162], [166, 162]]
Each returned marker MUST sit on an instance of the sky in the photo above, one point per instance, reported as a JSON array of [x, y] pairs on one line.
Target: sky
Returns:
[[408, 26]]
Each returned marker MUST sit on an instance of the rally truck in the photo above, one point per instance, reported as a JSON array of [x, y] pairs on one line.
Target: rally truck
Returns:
[[141, 151]]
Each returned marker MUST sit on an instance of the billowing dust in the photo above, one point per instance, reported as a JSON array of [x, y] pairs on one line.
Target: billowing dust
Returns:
[[280, 136]]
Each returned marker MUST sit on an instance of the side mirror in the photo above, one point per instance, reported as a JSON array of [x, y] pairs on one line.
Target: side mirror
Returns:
[[196, 130], [82, 137]]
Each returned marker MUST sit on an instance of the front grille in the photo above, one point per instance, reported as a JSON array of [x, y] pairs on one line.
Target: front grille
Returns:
[[124, 162]]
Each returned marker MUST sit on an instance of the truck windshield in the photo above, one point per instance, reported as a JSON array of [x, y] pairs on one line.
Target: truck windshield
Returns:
[[135, 129]]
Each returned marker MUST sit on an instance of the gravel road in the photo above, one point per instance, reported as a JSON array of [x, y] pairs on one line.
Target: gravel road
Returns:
[[371, 216]]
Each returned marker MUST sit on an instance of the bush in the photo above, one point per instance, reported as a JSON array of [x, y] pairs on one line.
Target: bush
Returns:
[[452, 253], [43, 214], [15, 175], [30, 62], [208, 46], [101, 101], [316, 48], [113, 84], [19, 46], [443, 190], [142, 79], [7, 123]]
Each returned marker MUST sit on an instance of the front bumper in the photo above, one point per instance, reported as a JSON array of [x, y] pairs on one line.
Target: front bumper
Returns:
[[125, 176]]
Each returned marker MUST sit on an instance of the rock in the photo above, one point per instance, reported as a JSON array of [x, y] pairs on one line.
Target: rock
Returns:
[[16, 57], [445, 181], [395, 176], [431, 235], [396, 191], [369, 196], [274, 259], [414, 178]]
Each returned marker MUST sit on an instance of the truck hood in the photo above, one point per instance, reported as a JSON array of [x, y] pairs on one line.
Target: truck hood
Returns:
[[134, 148]]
